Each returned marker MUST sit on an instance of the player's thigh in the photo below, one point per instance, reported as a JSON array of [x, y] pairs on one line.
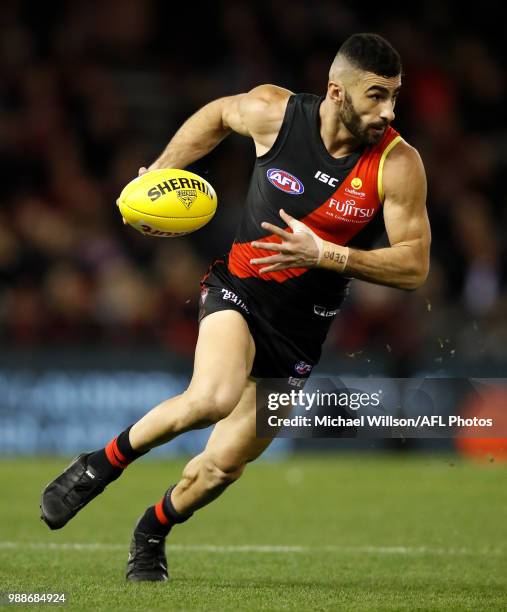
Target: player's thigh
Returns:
[[224, 357], [233, 441]]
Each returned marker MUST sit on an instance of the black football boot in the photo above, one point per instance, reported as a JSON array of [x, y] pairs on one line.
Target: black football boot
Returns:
[[147, 560], [68, 493]]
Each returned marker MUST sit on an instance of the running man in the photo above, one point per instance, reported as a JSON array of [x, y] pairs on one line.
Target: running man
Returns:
[[330, 173]]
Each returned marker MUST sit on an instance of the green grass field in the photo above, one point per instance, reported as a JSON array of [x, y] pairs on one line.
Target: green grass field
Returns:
[[330, 533]]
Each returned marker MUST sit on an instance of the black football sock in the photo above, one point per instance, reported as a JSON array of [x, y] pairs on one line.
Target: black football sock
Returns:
[[160, 518], [110, 461]]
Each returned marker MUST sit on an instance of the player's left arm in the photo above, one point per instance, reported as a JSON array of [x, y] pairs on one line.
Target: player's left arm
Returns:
[[404, 264]]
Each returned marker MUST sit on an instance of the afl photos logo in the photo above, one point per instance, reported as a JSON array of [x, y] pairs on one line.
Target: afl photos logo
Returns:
[[284, 181]]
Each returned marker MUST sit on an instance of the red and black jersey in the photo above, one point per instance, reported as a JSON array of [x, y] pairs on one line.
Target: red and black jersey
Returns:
[[339, 199]]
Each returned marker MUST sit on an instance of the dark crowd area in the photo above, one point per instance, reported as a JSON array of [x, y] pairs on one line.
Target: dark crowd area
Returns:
[[91, 91]]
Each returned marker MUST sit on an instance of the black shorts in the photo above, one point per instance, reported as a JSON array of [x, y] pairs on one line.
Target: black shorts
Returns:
[[288, 351]]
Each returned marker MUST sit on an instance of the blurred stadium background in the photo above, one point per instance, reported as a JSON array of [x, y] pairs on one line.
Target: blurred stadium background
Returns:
[[98, 323]]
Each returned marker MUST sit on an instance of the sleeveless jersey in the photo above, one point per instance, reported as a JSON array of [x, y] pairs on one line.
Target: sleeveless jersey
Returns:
[[339, 199]]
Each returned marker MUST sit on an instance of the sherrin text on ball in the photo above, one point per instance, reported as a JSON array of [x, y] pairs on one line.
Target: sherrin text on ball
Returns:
[[167, 203]]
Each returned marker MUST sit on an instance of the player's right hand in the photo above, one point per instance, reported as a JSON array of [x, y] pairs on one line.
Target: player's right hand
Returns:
[[301, 248]]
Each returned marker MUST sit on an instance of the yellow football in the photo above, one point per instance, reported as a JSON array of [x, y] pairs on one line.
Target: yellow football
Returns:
[[167, 203]]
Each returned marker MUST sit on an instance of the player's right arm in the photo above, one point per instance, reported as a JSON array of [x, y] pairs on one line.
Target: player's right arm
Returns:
[[258, 114]]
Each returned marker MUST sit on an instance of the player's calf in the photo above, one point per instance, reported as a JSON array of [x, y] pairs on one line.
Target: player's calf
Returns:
[[203, 480], [199, 406], [205, 477], [206, 406], [89, 474]]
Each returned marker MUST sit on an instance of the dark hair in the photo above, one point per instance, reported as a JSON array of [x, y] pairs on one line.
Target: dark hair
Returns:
[[372, 53]]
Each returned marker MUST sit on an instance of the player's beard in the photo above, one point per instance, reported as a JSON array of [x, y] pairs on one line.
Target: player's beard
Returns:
[[352, 121]]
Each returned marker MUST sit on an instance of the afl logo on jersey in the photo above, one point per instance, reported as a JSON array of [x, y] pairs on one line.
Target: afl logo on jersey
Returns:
[[284, 181], [303, 368]]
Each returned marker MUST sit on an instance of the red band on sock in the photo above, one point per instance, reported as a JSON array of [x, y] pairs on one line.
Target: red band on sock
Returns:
[[160, 513], [112, 456], [121, 458]]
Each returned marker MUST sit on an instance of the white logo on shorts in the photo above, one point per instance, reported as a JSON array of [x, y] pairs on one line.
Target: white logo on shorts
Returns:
[[296, 382], [230, 296], [322, 311]]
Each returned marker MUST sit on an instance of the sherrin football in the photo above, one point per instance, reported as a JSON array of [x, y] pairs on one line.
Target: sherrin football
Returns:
[[167, 203]]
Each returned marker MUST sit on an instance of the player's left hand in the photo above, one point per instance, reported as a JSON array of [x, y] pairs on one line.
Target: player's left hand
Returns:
[[300, 248], [142, 170]]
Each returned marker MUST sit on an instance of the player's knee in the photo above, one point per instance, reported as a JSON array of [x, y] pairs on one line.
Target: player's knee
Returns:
[[208, 406], [219, 473]]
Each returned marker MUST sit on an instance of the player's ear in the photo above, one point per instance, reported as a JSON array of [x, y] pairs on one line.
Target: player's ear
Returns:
[[335, 91]]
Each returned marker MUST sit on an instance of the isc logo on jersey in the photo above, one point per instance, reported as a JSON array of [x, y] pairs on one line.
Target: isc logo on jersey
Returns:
[[284, 181], [325, 178]]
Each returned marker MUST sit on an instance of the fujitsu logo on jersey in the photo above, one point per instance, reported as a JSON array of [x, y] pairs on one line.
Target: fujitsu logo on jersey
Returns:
[[348, 211], [285, 181]]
